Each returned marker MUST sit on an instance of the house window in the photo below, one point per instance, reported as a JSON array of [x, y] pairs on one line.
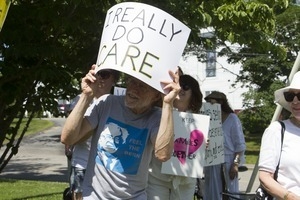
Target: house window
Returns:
[[211, 64]]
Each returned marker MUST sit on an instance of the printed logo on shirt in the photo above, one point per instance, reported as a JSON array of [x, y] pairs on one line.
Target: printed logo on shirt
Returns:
[[120, 147]]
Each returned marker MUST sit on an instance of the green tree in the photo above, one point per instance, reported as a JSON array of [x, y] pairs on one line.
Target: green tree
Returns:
[[268, 72], [48, 45]]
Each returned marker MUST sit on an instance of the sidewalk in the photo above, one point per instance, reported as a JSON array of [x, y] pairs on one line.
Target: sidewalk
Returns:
[[40, 157], [245, 177], [51, 165]]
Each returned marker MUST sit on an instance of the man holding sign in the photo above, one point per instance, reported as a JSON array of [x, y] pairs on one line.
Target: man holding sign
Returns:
[[127, 130]]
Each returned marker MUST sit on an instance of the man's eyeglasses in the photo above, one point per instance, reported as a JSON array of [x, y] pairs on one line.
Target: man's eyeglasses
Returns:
[[289, 96], [104, 74], [185, 87]]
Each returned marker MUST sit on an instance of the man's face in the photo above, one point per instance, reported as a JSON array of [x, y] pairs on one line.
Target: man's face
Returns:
[[139, 96]]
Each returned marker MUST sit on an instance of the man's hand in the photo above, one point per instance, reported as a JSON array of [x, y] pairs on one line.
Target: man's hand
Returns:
[[173, 88]]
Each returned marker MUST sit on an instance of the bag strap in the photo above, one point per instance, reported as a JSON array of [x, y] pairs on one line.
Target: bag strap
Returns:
[[282, 136]]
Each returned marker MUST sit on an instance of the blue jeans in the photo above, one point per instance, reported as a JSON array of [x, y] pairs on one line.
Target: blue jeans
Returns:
[[76, 179]]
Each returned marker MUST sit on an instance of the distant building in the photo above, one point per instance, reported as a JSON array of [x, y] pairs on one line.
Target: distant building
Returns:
[[215, 75]]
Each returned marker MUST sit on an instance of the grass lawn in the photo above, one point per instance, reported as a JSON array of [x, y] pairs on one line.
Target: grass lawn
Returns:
[[253, 147], [22, 190], [36, 125]]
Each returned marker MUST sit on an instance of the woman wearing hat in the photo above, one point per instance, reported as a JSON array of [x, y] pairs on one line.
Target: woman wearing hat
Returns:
[[217, 180], [287, 186], [164, 186]]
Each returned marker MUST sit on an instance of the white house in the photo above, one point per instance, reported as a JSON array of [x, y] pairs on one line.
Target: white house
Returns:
[[215, 75]]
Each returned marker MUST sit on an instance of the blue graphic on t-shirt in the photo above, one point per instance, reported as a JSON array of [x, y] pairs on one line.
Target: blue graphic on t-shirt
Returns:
[[121, 146]]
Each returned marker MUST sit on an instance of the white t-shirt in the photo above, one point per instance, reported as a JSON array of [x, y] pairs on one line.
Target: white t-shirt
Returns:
[[289, 167], [81, 153], [81, 150]]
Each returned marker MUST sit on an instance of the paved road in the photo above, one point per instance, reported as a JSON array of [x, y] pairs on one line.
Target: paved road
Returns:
[[41, 157]]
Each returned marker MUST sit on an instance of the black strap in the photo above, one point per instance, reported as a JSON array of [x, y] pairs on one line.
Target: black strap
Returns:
[[282, 136]]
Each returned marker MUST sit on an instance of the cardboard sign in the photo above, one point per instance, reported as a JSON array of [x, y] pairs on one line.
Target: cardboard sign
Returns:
[[189, 145], [214, 153], [142, 41]]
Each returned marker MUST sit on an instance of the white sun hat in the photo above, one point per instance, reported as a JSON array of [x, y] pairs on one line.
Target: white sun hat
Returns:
[[279, 97]]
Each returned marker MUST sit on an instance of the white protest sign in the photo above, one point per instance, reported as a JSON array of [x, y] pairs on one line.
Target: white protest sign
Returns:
[[189, 145], [119, 91], [214, 154], [142, 41]]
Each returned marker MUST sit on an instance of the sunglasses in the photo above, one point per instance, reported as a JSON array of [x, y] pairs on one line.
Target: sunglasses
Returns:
[[185, 87], [289, 96], [104, 74]]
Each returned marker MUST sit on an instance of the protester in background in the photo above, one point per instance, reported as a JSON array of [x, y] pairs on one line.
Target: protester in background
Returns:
[[171, 187], [126, 130], [67, 194], [217, 180], [106, 79], [287, 186]]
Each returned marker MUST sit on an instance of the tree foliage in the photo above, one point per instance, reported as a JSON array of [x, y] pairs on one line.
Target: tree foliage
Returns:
[[47, 46], [269, 71]]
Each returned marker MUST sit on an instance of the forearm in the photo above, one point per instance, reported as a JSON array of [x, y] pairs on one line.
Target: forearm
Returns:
[[73, 129], [274, 188], [165, 138]]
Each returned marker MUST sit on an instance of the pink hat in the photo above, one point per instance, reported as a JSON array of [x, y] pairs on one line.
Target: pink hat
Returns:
[[279, 97]]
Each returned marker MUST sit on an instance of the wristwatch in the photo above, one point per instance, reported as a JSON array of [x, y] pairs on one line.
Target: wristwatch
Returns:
[[236, 160]]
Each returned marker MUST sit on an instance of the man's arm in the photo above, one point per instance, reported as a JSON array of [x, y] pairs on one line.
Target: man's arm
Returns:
[[76, 126], [164, 142]]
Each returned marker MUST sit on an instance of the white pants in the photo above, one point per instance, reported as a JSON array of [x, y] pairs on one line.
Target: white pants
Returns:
[[164, 190]]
